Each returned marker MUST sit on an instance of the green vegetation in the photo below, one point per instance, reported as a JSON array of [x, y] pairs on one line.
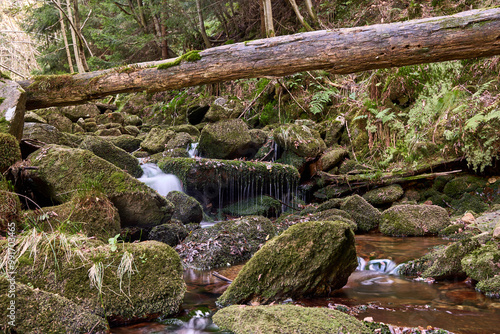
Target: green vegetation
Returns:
[[193, 55]]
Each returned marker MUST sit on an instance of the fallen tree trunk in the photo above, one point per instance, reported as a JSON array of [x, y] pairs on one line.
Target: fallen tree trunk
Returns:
[[469, 34]]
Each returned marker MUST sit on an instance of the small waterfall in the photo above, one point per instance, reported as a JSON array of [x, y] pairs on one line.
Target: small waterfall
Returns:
[[383, 266], [159, 181], [193, 150]]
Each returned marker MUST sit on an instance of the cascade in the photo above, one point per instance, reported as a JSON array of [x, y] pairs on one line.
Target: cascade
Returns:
[[155, 178]]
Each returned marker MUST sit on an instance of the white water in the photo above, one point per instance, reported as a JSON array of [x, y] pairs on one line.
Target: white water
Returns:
[[193, 150], [159, 181]]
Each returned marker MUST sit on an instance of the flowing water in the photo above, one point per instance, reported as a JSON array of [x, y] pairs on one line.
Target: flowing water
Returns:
[[373, 292], [159, 181]]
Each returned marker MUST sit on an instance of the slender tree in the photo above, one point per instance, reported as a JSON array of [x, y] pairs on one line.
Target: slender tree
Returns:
[[306, 25], [201, 24], [65, 37]]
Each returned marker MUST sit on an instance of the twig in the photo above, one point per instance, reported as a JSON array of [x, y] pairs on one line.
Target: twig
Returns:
[[251, 103], [219, 276], [284, 86]]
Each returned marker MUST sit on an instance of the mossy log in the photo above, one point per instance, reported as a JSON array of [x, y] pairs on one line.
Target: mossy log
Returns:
[[470, 34]]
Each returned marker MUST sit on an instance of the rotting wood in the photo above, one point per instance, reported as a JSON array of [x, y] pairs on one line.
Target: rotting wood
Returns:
[[464, 35], [219, 276]]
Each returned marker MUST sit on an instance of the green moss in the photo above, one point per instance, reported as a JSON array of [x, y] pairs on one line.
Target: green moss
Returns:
[[286, 319], [483, 263], [9, 151], [490, 286], [2, 99], [4, 76], [261, 206], [193, 55]]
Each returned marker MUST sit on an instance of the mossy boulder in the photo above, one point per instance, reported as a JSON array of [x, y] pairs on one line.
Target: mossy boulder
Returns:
[[62, 171], [226, 139], [331, 131], [187, 209], [10, 207], [80, 111], [180, 140], [41, 312], [483, 263], [171, 234], [222, 109], [9, 151], [156, 140], [292, 159], [414, 220], [384, 195], [308, 259], [92, 214], [61, 122], [109, 152], [363, 213], [490, 286], [225, 243], [300, 139], [110, 117], [469, 202], [261, 206], [187, 128], [126, 142], [31, 116], [456, 187], [47, 134], [133, 120], [331, 158], [123, 282], [442, 263], [290, 319]]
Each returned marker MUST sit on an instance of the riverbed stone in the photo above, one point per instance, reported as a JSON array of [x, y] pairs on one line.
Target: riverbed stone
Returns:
[[490, 286], [10, 206], [31, 116], [156, 140], [414, 220], [300, 139], [332, 158], [109, 152], [456, 187], [80, 111], [227, 139], [484, 262], [61, 122], [180, 140], [12, 107], [384, 195], [9, 151], [363, 213], [126, 142], [225, 243], [171, 234], [308, 259], [121, 281], [187, 209], [295, 319], [62, 171], [39, 312]]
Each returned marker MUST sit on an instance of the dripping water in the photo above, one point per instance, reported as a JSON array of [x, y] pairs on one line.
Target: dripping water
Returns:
[[155, 178]]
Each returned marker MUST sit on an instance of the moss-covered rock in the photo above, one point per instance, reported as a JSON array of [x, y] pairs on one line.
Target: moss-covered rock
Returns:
[[222, 109], [120, 281], [442, 263], [456, 187], [110, 117], [47, 134], [187, 128], [41, 312], [90, 213], [292, 159], [225, 243], [10, 207], [80, 111], [414, 220], [171, 234], [9, 151], [483, 263], [331, 131], [61, 122], [289, 319], [257, 206], [126, 142], [156, 140], [490, 286], [300, 139], [109, 152], [187, 209], [308, 259], [469, 202], [384, 195], [227, 139], [133, 120], [332, 158], [180, 140], [62, 171], [31, 116], [363, 213]]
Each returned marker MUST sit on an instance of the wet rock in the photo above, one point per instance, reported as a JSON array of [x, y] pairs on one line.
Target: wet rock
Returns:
[[256, 206], [44, 312], [308, 259], [61, 122], [414, 220], [490, 286], [187, 209], [225, 243], [62, 171], [299, 139], [363, 213], [456, 187], [12, 107], [112, 117], [227, 139], [156, 140], [332, 158], [171, 234], [9, 151], [384, 195], [331, 131], [90, 214], [109, 152], [292, 159], [132, 120], [126, 142], [83, 111], [122, 282], [286, 319], [180, 140], [10, 206], [30, 116]]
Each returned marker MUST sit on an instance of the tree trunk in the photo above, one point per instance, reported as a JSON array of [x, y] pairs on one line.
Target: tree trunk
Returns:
[[465, 35], [78, 60], [65, 38], [201, 24], [299, 16], [76, 22], [312, 12], [268, 18]]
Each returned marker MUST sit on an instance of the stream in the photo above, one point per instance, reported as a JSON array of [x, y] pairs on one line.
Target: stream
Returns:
[[454, 306]]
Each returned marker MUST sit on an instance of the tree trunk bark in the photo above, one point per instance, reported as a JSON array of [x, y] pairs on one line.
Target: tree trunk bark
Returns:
[[78, 60], [268, 18], [465, 35], [201, 24], [312, 12], [299, 16], [65, 38]]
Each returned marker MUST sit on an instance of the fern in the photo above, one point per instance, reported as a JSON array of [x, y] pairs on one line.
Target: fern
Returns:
[[321, 99]]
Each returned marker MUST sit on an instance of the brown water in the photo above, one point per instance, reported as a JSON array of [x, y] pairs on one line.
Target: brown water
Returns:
[[454, 306]]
